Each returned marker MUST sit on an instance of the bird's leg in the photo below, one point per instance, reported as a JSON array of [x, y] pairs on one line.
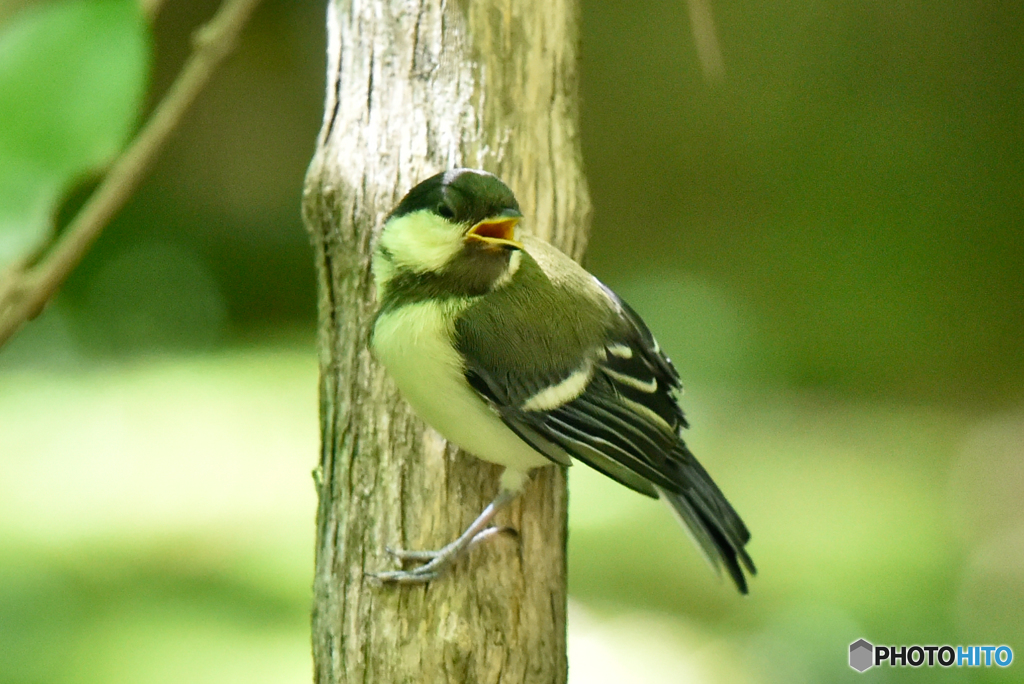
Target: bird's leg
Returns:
[[438, 562]]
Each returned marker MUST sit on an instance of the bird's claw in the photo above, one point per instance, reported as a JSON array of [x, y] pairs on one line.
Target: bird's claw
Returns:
[[439, 562], [406, 556], [417, 576], [435, 563]]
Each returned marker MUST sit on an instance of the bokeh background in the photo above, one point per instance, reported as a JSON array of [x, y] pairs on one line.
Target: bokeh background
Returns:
[[827, 240]]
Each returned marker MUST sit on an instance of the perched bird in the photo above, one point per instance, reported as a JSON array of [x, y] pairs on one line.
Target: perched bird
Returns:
[[519, 356]]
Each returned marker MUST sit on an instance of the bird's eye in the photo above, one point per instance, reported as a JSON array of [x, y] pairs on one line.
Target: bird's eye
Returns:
[[445, 211]]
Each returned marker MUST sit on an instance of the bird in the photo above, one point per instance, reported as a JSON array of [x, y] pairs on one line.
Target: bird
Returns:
[[519, 356]]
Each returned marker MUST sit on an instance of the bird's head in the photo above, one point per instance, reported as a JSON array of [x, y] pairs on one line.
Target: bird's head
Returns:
[[454, 233]]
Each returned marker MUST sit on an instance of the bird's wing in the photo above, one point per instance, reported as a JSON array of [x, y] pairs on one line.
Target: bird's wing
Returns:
[[617, 412]]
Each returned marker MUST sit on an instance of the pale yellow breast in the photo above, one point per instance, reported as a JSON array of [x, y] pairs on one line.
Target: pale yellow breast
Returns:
[[414, 343]]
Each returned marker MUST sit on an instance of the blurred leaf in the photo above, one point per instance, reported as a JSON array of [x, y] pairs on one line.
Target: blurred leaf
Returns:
[[72, 79]]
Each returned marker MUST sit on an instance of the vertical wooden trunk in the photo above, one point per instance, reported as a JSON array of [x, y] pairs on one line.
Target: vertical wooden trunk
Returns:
[[415, 87]]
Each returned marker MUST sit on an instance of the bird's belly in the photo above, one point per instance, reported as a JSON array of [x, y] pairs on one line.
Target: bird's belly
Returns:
[[414, 344]]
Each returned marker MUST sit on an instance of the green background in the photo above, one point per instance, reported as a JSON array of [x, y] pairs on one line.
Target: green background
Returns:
[[827, 241]]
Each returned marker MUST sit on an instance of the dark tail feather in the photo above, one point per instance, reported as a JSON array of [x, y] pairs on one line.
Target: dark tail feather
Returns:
[[712, 522]]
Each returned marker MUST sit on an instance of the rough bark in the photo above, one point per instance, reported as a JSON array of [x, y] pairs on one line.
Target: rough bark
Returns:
[[415, 87]]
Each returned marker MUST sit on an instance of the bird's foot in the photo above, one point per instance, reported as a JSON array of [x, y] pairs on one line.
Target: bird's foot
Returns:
[[435, 563]]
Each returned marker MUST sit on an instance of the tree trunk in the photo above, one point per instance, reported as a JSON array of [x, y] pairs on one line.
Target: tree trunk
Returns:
[[415, 87]]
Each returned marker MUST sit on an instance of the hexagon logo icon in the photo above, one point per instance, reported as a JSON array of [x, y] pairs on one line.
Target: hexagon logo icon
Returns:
[[861, 655]]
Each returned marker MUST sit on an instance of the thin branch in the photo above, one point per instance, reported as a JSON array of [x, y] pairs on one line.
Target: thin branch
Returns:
[[28, 290], [705, 37]]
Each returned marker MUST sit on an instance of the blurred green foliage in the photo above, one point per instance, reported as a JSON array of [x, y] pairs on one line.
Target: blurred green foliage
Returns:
[[72, 79], [828, 243], [854, 183]]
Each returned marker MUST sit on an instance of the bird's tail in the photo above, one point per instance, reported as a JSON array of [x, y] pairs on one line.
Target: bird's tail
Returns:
[[711, 520]]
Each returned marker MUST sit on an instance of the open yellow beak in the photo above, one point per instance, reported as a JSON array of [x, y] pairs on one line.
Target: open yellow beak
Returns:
[[497, 232]]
